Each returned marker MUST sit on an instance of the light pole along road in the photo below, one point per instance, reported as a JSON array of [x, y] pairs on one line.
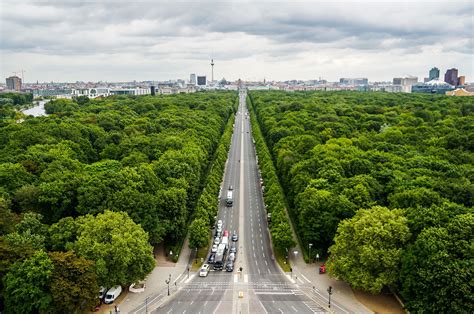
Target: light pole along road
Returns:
[[261, 287]]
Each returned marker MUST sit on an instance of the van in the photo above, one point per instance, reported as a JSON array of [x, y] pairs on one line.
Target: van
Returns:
[[112, 294]]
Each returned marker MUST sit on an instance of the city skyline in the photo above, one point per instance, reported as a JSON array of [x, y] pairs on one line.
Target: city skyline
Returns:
[[252, 40]]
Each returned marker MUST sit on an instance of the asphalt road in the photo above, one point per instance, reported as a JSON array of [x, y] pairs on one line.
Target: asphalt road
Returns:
[[261, 287]]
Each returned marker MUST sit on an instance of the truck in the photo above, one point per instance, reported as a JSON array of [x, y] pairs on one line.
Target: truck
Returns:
[[229, 201], [220, 257]]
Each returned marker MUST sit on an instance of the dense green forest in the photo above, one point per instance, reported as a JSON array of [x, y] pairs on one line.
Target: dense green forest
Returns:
[[96, 170], [383, 183]]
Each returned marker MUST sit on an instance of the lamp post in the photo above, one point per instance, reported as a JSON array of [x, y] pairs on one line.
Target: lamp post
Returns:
[[146, 305], [188, 271], [168, 283], [329, 292], [310, 245], [286, 255], [196, 255]]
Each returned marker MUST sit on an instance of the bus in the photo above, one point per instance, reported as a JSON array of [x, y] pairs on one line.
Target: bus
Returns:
[[220, 257]]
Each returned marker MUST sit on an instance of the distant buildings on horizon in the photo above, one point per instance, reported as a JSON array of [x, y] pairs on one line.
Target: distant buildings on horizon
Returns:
[[408, 84]]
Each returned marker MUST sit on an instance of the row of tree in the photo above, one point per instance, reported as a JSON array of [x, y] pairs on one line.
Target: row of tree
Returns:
[[98, 182], [275, 202], [392, 174]]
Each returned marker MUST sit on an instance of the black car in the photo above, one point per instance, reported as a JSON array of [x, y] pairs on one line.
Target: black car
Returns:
[[233, 249], [235, 237], [229, 266], [211, 258]]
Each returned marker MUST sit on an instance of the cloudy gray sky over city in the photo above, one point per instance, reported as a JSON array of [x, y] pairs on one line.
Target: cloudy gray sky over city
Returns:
[[157, 40]]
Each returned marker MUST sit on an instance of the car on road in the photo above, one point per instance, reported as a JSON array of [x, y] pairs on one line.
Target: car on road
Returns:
[[233, 249], [218, 234], [226, 233], [229, 266], [322, 269], [211, 258], [219, 223], [112, 294], [217, 241], [204, 271], [231, 187], [214, 248], [231, 257], [219, 228], [235, 237]]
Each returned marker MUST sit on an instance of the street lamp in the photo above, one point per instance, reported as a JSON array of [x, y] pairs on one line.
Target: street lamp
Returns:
[[146, 305], [188, 271], [310, 245], [196, 255], [168, 283], [329, 292]]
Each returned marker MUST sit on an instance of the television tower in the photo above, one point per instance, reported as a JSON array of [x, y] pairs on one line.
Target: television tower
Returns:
[[212, 68]]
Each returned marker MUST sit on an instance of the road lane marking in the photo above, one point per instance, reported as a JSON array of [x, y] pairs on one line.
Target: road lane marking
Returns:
[[299, 279], [205, 303], [280, 310], [236, 278], [294, 309], [263, 307], [246, 278], [190, 278], [266, 262], [305, 278]]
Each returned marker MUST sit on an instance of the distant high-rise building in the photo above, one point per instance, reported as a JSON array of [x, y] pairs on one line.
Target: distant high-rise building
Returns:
[[14, 83], [201, 80], [434, 74], [451, 76], [192, 78], [405, 81], [462, 80]]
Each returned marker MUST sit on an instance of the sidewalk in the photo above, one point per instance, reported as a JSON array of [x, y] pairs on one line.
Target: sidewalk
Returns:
[[309, 274], [156, 288]]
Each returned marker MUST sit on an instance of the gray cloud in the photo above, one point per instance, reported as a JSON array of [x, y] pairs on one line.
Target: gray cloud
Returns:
[[173, 38]]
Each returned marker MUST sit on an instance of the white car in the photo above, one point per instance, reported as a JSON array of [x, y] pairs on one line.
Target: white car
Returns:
[[204, 271], [231, 257], [214, 248], [219, 223], [219, 228], [217, 241]]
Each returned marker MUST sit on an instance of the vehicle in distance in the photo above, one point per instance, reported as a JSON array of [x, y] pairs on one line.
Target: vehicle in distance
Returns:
[[214, 248], [102, 292], [231, 187], [226, 233], [220, 257], [217, 241], [233, 249], [112, 294], [229, 266], [204, 271], [235, 237], [229, 201], [219, 223], [231, 257], [219, 229], [225, 240], [211, 258]]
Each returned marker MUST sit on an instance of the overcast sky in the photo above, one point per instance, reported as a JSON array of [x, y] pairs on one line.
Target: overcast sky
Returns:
[[119, 40]]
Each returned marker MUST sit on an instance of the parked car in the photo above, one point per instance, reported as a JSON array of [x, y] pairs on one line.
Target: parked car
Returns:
[[219, 223], [204, 271], [217, 241], [235, 237], [214, 248], [231, 187], [226, 233], [233, 249], [102, 292], [112, 294], [211, 258], [219, 228]]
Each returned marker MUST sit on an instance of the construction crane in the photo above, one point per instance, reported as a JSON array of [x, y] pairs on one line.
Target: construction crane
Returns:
[[22, 75]]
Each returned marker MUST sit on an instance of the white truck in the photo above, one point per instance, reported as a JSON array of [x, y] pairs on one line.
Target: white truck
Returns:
[[229, 201]]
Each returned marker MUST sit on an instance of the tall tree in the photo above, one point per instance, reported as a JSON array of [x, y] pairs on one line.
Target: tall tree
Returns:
[[26, 285], [73, 284], [368, 247], [198, 233], [118, 246]]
